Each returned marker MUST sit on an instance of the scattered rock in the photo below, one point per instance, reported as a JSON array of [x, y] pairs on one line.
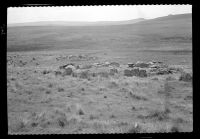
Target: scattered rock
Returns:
[[131, 65], [142, 73], [163, 71], [135, 71], [141, 64], [113, 71], [106, 64], [71, 65], [115, 64], [68, 71], [128, 73]]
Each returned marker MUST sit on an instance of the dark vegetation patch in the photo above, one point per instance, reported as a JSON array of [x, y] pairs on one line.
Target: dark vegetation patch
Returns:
[[134, 96]]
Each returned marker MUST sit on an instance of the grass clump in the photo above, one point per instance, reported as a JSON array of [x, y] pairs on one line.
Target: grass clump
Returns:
[[135, 129], [159, 115]]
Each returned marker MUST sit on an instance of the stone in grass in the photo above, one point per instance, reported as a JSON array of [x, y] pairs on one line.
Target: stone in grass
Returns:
[[128, 73], [142, 73], [115, 64], [113, 71], [163, 71], [141, 65], [68, 71], [187, 77], [84, 75], [65, 66], [131, 65], [135, 71]]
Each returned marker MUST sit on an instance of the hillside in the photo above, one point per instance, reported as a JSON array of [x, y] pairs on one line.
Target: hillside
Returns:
[[164, 33], [76, 23]]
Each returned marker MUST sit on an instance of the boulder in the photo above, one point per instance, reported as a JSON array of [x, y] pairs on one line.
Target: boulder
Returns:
[[67, 65], [142, 73], [68, 71], [163, 71], [131, 65], [155, 66], [113, 71], [187, 77], [135, 71], [114, 64], [150, 63], [141, 64], [128, 73], [71, 67], [106, 64]]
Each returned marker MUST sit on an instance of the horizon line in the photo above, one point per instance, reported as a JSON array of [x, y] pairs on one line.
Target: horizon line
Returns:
[[93, 21]]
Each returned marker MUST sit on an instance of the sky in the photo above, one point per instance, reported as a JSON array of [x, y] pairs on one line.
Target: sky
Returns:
[[93, 13]]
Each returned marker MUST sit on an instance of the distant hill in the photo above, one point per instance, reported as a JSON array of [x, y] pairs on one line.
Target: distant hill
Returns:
[[168, 18], [73, 23], [163, 33]]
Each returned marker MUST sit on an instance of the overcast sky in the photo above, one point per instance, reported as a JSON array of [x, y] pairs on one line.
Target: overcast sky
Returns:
[[93, 13]]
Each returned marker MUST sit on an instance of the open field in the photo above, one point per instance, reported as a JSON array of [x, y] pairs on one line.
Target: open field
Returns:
[[93, 95]]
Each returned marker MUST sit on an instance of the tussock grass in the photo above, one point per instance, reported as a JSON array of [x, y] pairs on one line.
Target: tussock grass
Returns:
[[158, 115], [135, 129], [175, 129]]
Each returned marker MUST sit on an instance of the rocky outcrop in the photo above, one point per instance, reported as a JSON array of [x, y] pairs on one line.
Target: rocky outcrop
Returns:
[[135, 72]]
